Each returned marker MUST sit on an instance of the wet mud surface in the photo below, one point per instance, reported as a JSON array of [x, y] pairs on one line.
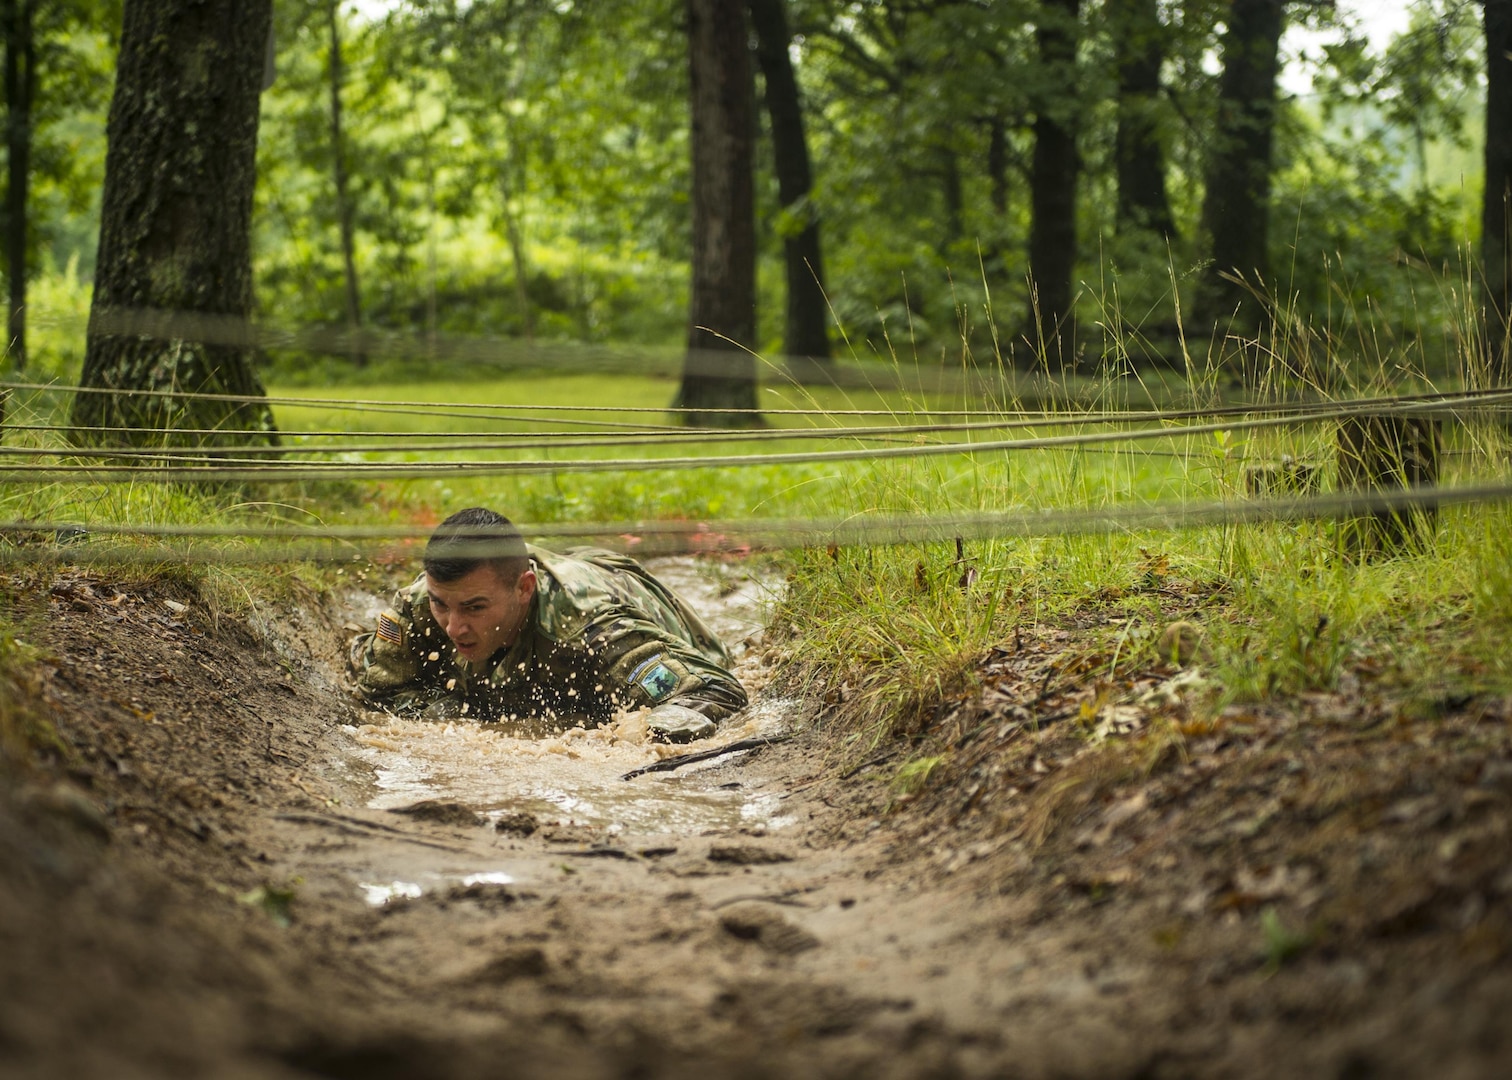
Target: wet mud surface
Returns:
[[225, 868]]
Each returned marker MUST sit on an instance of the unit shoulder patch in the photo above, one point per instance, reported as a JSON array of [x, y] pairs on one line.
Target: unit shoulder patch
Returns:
[[655, 678]]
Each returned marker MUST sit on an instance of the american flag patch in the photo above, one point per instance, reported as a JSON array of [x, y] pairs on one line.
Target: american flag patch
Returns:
[[388, 628]]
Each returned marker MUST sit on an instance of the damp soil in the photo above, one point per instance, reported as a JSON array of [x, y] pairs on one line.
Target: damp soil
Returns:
[[223, 867]]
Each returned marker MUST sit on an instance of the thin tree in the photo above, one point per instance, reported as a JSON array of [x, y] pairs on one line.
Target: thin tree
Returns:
[[997, 165], [719, 372], [20, 89], [1236, 205], [1496, 222], [336, 73], [175, 226], [1052, 183], [998, 155], [1139, 151], [806, 336]]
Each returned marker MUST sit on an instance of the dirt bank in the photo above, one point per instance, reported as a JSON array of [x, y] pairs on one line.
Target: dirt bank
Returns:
[[207, 876]]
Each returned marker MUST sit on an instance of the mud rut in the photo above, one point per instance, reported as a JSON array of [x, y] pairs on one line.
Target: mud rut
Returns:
[[221, 885]]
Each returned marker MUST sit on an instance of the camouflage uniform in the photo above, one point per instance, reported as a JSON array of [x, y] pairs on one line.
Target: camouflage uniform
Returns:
[[602, 634]]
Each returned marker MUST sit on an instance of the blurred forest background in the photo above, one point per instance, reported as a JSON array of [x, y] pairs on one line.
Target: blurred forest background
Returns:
[[521, 169]]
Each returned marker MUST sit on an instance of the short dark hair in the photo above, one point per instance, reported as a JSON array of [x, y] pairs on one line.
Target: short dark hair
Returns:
[[472, 538]]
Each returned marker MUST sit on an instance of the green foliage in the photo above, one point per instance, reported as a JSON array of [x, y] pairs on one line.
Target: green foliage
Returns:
[[1280, 943], [519, 168], [470, 131], [24, 728], [274, 901], [75, 42], [914, 776], [60, 304]]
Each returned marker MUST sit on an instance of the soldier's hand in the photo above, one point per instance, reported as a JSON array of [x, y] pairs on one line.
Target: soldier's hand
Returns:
[[678, 724]]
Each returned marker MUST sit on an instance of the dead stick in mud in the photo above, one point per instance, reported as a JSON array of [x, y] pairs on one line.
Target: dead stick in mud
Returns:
[[603, 852], [668, 764]]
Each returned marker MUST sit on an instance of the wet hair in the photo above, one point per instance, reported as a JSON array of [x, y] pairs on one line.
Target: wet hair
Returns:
[[472, 538]]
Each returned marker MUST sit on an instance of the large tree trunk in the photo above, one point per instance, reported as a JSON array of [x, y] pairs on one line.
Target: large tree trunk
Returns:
[[1496, 252], [719, 373], [20, 86], [1139, 39], [1052, 185], [335, 70], [175, 222], [805, 337], [1236, 207]]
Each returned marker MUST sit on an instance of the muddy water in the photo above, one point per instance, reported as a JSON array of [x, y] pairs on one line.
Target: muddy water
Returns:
[[575, 777]]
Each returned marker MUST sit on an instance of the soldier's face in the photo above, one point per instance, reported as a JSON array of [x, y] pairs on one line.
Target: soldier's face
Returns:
[[481, 612]]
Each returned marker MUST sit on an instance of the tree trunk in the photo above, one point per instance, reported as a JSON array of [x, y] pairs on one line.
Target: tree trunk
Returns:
[[175, 223], [1139, 39], [1236, 208], [719, 373], [805, 336], [517, 255], [997, 165], [1384, 454], [953, 194], [343, 196], [997, 197], [1496, 252], [1052, 185], [20, 86]]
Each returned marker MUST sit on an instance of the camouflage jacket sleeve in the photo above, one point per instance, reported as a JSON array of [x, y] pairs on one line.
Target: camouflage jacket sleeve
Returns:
[[398, 661], [643, 664]]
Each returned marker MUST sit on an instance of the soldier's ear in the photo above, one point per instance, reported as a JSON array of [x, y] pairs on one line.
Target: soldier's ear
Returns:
[[525, 587]]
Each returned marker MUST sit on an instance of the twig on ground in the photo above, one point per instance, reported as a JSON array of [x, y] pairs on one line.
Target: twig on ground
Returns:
[[668, 764], [602, 852]]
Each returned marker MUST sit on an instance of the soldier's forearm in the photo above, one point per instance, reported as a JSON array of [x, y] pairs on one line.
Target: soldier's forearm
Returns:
[[715, 700]]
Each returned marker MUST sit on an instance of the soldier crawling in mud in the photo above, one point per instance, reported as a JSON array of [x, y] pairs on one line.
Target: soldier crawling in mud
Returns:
[[500, 630]]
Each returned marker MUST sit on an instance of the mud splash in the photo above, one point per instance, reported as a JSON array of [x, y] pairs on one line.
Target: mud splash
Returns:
[[574, 778]]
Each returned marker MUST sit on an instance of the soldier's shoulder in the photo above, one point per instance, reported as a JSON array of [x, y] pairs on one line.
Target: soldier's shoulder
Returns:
[[411, 594], [574, 567], [573, 592]]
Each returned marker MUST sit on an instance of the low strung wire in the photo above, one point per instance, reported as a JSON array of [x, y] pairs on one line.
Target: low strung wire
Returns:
[[386, 470], [489, 410], [71, 542], [540, 440]]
